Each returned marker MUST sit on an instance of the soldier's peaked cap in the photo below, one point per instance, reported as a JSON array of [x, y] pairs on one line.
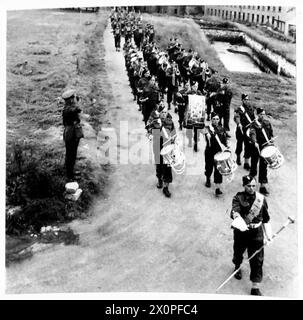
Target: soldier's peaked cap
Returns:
[[68, 93]]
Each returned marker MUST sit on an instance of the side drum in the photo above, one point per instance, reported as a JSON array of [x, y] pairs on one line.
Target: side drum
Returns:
[[174, 156], [272, 156], [225, 164]]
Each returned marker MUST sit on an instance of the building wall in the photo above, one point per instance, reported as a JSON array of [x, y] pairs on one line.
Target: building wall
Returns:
[[172, 10], [274, 16]]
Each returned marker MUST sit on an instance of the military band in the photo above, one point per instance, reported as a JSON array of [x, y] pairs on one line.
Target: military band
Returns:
[[202, 102]]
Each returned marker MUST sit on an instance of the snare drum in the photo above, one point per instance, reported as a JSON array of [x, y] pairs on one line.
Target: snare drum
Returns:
[[272, 156], [225, 164], [174, 156]]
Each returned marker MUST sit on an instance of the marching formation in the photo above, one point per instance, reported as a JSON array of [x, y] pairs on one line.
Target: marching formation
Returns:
[[173, 78]]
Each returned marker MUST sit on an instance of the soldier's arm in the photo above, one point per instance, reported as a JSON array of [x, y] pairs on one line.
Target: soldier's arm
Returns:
[[265, 213], [237, 116], [235, 207]]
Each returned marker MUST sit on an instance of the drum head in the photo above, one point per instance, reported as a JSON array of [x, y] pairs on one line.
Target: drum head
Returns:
[[167, 149], [268, 151]]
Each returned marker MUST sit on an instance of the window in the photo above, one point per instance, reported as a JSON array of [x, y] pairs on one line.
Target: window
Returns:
[[272, 20], [244, 16], [211, 12], [279, 9], [273, 9], [258, 7], [253, 7], [262, 20], [230, 15], [219, 11], [252, 18], [268, 8], [257, 18], [215, 12], [263, 8], [176, 11], [267, 19], [235, 15], [239, 15], [248, 7], [248, 17]]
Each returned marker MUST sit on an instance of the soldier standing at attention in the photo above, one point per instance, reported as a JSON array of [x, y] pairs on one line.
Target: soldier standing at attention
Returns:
[[72, 132]]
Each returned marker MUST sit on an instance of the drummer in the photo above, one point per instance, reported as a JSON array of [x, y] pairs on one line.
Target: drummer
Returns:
[[161, 126], [243, 116], [261, 132], [214, 132]]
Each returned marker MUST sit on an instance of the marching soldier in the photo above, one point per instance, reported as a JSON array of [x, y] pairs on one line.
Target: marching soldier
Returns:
[[244, 115], [250, 219], [161, 125], [172, 77], [223, 97], [182, 102], [214, 132], [261, 132], [150, 98]]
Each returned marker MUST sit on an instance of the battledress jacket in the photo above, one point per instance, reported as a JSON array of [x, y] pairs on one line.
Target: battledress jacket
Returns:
[[242, 203], [158, 135]]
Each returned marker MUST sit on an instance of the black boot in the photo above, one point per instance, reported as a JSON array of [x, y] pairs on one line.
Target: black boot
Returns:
[[166, 192], [160, 184], [264, 191], [207, 183], [246, 166], [255, 292], [238, 275], [218, 192]]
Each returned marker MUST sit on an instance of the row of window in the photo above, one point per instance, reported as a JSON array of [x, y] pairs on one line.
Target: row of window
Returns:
[[255, 18], [259, 7]]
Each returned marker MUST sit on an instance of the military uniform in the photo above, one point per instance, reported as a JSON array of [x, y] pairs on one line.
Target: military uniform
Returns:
[[223, 97], [257, 136], [71, 118], [163, 171], [241, 116], [253, 238], [213, 147], [182, 103]]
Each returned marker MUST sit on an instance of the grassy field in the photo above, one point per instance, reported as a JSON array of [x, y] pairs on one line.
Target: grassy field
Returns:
[[49, 51]]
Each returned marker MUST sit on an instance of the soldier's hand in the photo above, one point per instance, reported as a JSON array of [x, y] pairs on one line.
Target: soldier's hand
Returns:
[[267, 241]]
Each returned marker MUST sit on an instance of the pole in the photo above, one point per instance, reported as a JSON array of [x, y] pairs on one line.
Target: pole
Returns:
[[289, 221]]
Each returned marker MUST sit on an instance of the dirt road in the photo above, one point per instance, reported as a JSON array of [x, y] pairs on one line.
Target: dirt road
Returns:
[[138, 240]]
